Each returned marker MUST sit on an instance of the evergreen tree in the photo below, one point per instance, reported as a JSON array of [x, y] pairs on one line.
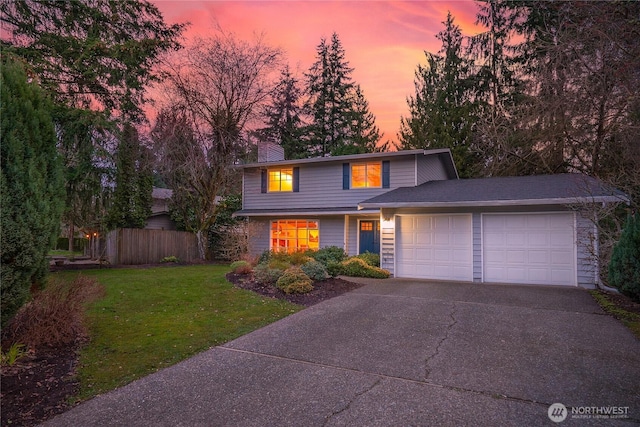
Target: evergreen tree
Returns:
[[443, 110], [624, 269], [31, 186], [283, 117], [131, 205], [340, 119], [364, 132]]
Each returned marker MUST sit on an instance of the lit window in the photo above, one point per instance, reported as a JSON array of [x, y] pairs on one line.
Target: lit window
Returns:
[[366, 175], [280, 179], [294, 235]]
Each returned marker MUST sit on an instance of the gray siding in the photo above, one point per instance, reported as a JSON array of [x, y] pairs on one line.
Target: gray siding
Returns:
[[321, 186], [476, 224], [160, 222], [429, 168], [331, 231], [352, 240], [586, 260]]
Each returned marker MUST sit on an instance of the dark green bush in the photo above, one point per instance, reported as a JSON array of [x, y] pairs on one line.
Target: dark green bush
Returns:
[[357, 267], [315, 270], [241, 267], [267, 275], [328, 254], [334, 269], [624, 268], [264, 257], [295, 281], [370, 258]]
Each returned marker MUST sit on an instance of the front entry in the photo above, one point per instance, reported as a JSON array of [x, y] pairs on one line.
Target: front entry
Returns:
[[369, 236]]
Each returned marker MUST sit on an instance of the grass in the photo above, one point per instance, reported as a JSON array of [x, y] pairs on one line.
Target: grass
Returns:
[[61, 252], [630, 319], [154, 318]]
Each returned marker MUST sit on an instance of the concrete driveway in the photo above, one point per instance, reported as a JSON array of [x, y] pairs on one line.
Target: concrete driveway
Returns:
[[396, 353]]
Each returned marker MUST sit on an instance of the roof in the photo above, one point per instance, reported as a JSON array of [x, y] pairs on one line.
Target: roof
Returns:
[[500, 191], [302, 212], [349, 157], [161, 193]]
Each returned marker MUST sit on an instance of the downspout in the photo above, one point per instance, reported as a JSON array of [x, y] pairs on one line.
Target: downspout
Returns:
[[596, 245]]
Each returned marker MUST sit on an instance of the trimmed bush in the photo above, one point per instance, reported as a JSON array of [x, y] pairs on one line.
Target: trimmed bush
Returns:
[[357, 267], [266, 274], [294, 281], [315, 270], [624, 267], [328, 254], [241, 267], [334, 268], [370, 258]]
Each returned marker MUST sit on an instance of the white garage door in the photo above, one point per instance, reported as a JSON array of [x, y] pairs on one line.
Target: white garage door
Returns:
[[434, 247], [529, 248]]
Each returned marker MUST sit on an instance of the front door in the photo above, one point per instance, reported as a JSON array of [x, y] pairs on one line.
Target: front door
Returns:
[[369, 236]]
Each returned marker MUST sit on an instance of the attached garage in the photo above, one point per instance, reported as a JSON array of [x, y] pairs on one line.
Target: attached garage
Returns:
[[434, 247], [523, 229], [529, 248]]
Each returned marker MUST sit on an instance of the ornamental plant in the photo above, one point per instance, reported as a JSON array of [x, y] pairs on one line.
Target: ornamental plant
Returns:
[[295, 281]]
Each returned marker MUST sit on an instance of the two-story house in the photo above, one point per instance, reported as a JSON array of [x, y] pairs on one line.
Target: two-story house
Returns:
[[425, 222]]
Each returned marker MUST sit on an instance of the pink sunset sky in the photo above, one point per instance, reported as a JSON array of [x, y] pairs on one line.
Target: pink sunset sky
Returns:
[[384, 41]]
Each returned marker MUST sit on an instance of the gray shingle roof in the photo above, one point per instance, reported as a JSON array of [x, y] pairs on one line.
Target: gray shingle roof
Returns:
[[497, 191]]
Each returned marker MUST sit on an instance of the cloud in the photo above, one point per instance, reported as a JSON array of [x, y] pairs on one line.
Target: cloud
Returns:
[[384, 41]]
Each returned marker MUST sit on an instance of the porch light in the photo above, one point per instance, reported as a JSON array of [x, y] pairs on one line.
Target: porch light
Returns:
[[388, 223]]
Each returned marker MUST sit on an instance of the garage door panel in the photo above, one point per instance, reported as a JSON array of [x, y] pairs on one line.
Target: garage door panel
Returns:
[[529, 248], [434, 247]]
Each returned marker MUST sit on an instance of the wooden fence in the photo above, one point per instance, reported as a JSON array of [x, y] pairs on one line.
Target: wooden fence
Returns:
[[141, 246]]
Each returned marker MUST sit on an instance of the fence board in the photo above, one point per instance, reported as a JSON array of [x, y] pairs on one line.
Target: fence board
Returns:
[[132, 246]]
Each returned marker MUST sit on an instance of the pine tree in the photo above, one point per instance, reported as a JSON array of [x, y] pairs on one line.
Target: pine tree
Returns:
[[131, 205], [443, 109], [364, 132], [341, 120], [283, 117], [31, 186]]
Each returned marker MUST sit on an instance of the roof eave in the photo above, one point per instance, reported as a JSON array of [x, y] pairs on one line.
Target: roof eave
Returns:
[[495, 203], [300, 213]]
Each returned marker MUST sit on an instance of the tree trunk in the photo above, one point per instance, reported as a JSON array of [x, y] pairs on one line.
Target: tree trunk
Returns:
[[70, 235], [201, 244]]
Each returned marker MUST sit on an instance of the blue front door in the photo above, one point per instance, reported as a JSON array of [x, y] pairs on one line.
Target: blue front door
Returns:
[[370, 236]]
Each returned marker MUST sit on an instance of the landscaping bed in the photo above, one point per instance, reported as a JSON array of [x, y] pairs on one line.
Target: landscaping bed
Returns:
[[322, 290]]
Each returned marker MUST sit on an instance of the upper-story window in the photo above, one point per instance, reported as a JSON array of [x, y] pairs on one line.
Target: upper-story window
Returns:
[[365, 175], [280, 180]]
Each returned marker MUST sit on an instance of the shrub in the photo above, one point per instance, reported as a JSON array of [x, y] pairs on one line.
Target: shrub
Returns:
[[624, 267], [357, 267], [370, 258], [264, 257], [315, 270], [55, 315], [334, 268], [267, 275], [294, 281], [299, 258], [328, 254], [279, 263], [241, 267], [169, 259]]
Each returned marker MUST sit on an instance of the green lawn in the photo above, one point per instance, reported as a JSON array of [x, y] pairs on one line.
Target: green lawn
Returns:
[[153, 318], [62, 252]]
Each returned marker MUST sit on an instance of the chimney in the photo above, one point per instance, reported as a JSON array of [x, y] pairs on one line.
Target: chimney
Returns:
[[270, 152]]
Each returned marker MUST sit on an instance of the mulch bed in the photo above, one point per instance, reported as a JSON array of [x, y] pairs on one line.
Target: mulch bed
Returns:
[[321, 290], [39, 386]]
